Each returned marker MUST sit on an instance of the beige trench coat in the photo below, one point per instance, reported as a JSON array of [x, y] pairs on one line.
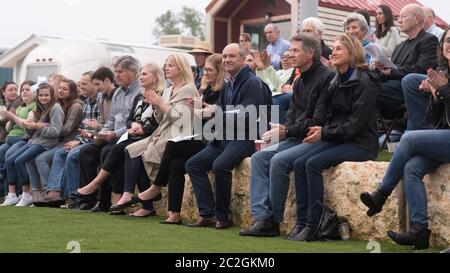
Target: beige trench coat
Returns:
[[152, 148]]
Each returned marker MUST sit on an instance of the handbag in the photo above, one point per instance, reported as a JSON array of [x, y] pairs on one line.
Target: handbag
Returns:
[[328, 228]]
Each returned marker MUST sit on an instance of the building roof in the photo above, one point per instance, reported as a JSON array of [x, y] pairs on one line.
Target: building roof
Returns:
[[370, 5]]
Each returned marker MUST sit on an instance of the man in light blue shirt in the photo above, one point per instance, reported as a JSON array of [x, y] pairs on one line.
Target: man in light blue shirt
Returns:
[[126, 69], [429, 24], [277, 45]]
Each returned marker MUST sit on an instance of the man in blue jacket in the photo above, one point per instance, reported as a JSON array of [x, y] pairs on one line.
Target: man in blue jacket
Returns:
[[242, 88]]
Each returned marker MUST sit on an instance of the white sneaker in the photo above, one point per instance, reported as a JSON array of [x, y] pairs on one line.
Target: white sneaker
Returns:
[[10, 200], [26, 200]]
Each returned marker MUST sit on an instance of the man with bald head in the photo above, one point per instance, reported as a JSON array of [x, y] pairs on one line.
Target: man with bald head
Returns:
[[429, 24], [413, 57], [242, 88], [277, 45]]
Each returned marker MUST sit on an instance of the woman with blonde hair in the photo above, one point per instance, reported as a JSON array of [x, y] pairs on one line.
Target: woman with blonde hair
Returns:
[[176, 154], [345, 131], [143, 158]]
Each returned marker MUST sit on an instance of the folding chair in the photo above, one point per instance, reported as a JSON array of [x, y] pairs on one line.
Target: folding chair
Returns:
[[396, 115]]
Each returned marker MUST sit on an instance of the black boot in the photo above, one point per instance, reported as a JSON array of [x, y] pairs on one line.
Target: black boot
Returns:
[[374, 201], [263, 228], [419, 237]]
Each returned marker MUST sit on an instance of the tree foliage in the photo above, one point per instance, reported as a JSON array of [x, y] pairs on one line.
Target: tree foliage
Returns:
[[187, 22]]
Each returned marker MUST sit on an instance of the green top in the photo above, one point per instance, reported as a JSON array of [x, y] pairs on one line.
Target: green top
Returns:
[[21, 112]]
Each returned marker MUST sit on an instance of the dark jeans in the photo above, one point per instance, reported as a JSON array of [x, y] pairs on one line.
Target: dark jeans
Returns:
[[308, 176], [114, 164], [90, 157], [220, 157], [172, 171], [391, 94], [135, 175]]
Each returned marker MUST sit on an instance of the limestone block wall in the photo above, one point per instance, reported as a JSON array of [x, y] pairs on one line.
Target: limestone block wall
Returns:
[[343, 185]]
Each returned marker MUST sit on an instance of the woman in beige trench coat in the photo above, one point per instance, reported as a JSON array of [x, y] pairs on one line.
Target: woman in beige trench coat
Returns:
[[174, 118]]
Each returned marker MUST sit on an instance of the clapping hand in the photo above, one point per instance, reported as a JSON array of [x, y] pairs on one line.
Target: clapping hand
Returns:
[[153, 98], [258, 61], [436, 79]]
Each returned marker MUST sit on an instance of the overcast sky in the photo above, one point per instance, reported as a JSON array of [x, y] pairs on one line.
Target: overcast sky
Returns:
[[129, 21]]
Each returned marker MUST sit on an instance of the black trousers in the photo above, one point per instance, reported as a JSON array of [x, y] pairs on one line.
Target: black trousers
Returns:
[[171, 171], [135, 175], [90, 157], [114, 164]]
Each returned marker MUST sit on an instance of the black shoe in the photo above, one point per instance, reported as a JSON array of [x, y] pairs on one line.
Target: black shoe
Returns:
[[85, 198], [418, 236], [374, 201], [306, 234], [296, 230], [204, 222], [262, 228], [134, 201], [100, 206], [86, 205], [118, 213], [50, 203], [73, 204]]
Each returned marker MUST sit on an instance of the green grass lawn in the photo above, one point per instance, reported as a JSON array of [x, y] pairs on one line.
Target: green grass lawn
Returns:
[[50, 230], [384, 156]]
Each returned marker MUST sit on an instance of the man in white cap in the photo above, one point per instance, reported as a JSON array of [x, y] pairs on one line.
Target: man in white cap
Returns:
[[201, 51]]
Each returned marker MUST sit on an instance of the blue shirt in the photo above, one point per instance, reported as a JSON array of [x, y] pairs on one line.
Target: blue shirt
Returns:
[[368, 57], [121, 105], [275, 51]]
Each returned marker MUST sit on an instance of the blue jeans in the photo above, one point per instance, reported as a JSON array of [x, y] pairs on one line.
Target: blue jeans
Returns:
[[10, 141], [280, 167], [220, 157], [15, 164], [13, 149], [41, 163], [416, 102], [419, 153], [308, 176], [4, 148], [261, 166], [283, 102], [64, 173]]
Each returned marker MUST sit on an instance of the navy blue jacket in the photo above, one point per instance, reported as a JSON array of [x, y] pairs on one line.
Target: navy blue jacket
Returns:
[[248, 90]]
